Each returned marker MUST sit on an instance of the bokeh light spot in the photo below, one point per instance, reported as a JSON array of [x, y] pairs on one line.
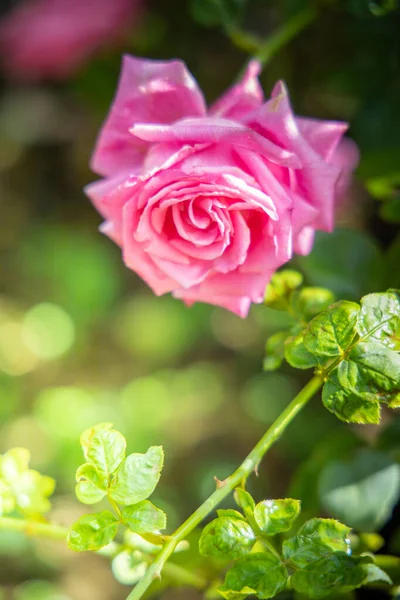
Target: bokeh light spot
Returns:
[[66, 411], [39, 590], [48, 331], [265, 396], [159, 329], [15, 357]]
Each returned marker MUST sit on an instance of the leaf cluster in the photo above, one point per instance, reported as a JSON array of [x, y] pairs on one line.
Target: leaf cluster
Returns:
[[316, 561], [125, 481], [23, 489], [355, 346], [285, 293]]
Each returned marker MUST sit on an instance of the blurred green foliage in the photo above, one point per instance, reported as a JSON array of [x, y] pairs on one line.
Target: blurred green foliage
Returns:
[[82, 340]]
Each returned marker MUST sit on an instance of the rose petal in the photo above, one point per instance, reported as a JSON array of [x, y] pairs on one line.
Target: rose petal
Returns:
[[316, 179], [261, 171], [108, 197], [142, 264], [234, 291], [239, 305], [99, 190], [236, 253], [323, 136], [215, 131], [186, 276], [220, 200], [149, 91], [164, 156], [346, 156], [141, 229], [136, 258], [241, 98], [303, 213], [304, 240]]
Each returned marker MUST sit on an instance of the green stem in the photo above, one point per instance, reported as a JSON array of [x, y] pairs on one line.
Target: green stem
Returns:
[[246, 41], [264, 51], [115, 507], [249, 464], [263, 538], [287, 32], [34, 528]]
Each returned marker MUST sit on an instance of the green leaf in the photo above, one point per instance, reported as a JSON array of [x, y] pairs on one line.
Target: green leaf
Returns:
[[244, 500], [373, 573], [379, 319], [394, 401], [310, 301], [91, 486], [280, 288], [226, 538], [137, 476], [274, 351], [337, 575], [320, 578], [144, 517], [361, 492], [233, 595], [371, 372], [45, 485], [381, 8], [276, 516], [346, 406], [316, 539], [21, 487], [231, 513], [13, 463], [261, 574], [297, 354], [332, 331], [92, 532], [104, 448], [383, 188], [31, 492], [127, 568], [7, 499]]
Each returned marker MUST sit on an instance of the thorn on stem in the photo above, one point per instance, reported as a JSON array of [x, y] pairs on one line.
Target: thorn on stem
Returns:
[[219, 483]]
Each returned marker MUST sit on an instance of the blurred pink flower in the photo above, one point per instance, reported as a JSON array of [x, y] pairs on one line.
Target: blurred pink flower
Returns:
[[207, 204], [50, 39]]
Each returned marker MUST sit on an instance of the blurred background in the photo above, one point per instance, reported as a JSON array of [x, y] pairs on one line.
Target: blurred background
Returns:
[[82, 339]]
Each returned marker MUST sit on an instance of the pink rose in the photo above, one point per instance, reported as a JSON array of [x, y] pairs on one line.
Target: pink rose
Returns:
[[52, 38], [207, 204]]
